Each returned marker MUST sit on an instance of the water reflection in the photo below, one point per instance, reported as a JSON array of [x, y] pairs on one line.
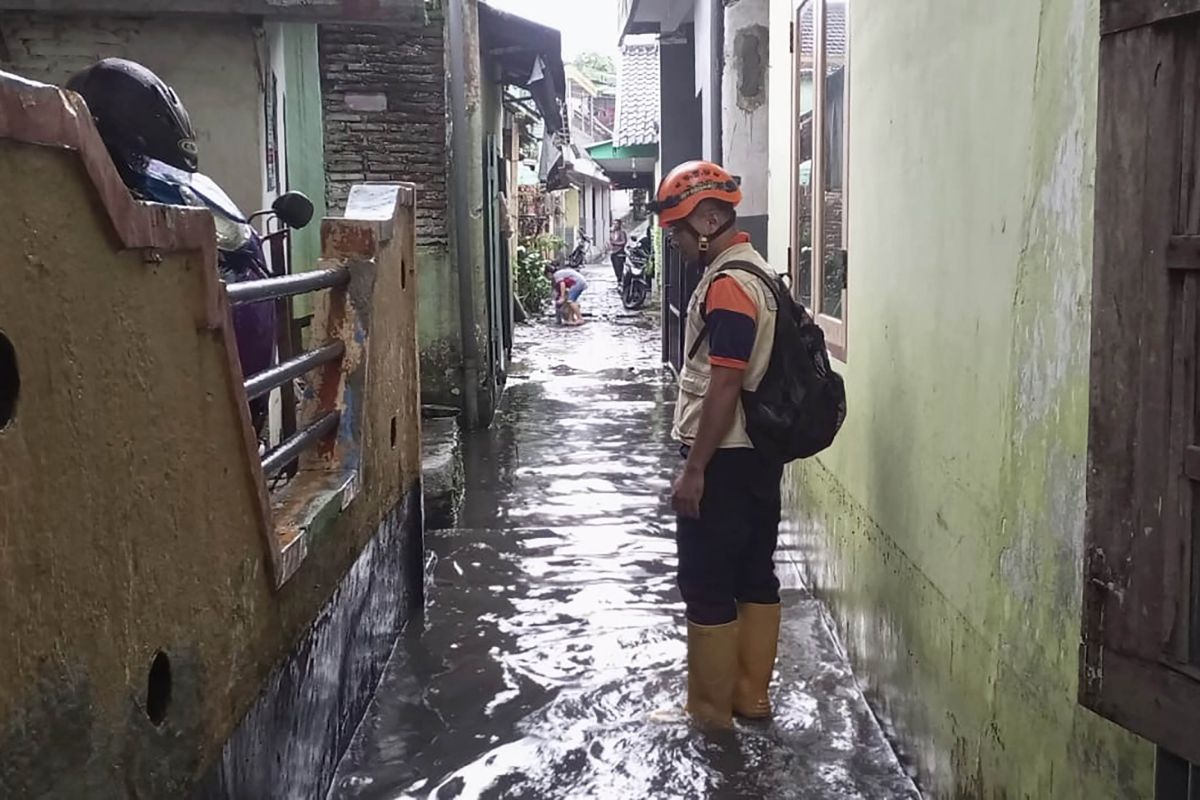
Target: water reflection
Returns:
[[554, 627]]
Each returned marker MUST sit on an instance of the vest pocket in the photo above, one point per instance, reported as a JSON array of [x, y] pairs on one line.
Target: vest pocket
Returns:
[[693, 383]]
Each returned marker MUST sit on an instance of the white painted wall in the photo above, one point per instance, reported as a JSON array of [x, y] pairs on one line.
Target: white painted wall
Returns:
[[211, 63], [622, 204], [779, 115], [703, 34], [273, 55], [702, 19]]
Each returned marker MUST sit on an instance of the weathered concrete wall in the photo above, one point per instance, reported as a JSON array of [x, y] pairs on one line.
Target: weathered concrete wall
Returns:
[[291, 741], [131, 522], [211, 63], [745, 110], [476, 84], [945, 526]]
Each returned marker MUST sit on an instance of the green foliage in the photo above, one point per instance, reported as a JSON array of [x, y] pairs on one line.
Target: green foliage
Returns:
[[549, 245], [533, 288], [598, 68]]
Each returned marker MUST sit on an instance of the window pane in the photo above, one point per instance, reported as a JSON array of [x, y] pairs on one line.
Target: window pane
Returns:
[[833, 157], [804, 152]]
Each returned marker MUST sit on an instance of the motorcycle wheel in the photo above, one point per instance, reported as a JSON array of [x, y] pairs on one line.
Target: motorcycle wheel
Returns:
[[642, 294], [633, 296]]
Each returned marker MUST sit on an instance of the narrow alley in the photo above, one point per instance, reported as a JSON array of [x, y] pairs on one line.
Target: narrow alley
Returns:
[[297, 502], [553, 628]]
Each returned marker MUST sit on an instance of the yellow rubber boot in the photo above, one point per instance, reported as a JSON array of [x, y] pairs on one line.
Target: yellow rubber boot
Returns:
[[712, 670], [758, 641]]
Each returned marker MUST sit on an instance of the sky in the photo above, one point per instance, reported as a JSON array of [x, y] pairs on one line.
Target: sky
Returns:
[[586, 25]]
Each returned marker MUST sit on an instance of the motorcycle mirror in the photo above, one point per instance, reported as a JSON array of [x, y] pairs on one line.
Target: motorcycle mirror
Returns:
[[293, 209]]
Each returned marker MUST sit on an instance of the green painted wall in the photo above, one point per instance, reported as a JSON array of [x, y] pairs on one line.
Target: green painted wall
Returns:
[[945, 527], [305, 142], [438, 321]]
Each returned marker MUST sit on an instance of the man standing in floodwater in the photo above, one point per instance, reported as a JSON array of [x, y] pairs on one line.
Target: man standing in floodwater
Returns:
[[727, 495]]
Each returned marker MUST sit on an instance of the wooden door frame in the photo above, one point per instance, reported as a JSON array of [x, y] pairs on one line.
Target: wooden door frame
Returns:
[[835, 328]]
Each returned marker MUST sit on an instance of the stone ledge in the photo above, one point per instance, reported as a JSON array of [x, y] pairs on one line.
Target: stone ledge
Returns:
[[441, 470]]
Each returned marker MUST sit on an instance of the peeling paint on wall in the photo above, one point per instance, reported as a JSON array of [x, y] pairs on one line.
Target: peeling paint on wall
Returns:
[[745, 118], [751, 46]]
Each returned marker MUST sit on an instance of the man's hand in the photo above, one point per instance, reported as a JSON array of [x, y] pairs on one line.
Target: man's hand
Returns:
[[717, 415], [687, 491]]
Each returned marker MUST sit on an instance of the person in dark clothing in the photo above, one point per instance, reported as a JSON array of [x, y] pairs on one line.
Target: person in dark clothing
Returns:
[[617, 240]]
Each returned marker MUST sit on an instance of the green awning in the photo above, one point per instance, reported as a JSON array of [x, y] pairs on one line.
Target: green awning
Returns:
[[604, 151]]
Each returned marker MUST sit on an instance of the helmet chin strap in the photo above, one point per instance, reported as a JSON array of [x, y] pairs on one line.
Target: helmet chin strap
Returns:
[[704, 241]]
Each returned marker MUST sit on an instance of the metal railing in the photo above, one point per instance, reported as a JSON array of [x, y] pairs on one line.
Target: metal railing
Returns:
[[286, 286], [678, 284], [283, 288]]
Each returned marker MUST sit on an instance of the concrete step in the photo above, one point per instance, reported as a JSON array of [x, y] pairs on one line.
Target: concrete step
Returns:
[[441, 470]]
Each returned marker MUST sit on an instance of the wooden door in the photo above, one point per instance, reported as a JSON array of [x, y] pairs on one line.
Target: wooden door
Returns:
[[1140, 663]]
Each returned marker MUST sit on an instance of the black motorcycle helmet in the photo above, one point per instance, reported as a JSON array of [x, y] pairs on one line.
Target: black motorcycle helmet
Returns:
[[138, 116]]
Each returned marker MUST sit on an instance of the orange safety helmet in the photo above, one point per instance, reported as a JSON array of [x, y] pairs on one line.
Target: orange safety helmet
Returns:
[[691, 182]]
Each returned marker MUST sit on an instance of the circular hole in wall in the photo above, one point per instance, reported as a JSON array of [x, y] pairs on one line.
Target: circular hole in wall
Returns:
[[158, 688], [10, 381]]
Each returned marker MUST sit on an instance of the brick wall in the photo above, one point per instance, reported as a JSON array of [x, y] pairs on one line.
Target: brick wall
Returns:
[[385, 114]]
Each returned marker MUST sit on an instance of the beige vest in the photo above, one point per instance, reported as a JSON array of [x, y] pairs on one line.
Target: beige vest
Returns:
[[696, 372]]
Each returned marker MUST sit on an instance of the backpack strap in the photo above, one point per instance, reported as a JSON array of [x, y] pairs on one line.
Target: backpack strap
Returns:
[[741, 266]]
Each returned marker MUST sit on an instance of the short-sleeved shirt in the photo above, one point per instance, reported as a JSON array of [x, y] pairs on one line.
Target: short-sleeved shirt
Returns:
[[732, 324], [569, 277], [732, 319]]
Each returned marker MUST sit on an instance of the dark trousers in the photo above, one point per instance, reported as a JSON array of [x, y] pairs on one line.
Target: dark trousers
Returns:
[[618, 263], [728, 554]]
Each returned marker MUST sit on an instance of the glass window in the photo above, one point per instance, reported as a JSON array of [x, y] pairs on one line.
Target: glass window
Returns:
[[821, 47], [805, 52], [833, 160]]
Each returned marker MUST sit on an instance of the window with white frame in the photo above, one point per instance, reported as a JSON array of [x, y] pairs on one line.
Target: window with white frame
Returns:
[[820, 46]]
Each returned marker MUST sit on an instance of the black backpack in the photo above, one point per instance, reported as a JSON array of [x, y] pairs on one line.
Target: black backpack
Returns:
[[800, 405]]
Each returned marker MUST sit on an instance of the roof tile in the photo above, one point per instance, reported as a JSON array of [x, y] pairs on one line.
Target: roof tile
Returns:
[[637, 96]]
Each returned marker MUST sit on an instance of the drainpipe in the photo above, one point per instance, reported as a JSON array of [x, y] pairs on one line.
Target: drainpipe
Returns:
[[461, 154]]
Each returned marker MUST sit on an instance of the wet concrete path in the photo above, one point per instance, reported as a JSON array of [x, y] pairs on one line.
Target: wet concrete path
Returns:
[[554, 627]]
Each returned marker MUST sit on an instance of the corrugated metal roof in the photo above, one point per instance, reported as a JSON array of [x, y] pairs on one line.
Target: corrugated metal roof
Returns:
[[637, 96]]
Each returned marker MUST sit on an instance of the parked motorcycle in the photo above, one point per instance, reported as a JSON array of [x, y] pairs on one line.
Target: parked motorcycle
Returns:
[[635, 279], [149, 134], [240, 254], [579, 254]]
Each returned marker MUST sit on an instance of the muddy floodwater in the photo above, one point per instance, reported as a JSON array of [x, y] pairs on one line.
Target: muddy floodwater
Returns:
[[554, 628]]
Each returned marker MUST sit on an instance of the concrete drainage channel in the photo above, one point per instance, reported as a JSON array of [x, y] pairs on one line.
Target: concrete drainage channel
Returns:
[[441, 465]]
